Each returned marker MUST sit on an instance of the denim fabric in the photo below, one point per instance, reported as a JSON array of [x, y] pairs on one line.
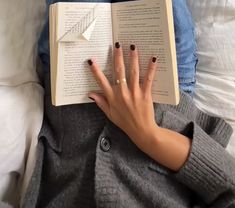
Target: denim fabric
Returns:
[[185, 46], [184, 38]]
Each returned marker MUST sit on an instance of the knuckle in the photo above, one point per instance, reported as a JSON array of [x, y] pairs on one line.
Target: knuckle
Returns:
[[152, 68], [136, 94], [147, 95], [119, 69], [119, 54], [111, 99], [99, 80], [119, 57], [134, 56], [94, 70], [97, 74], [124, 96], [126, 101], [149, 79], [100, 105], [134, 71]]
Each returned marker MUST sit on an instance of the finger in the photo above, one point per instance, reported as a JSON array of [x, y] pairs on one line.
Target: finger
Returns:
[[148, 81], [134, 68], [101, 102], [119, 65], [101, 79]]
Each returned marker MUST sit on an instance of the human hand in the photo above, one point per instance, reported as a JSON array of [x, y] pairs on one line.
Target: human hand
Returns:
[[130, 107]]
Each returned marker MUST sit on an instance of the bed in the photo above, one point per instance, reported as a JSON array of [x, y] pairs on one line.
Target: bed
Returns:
[[21, 105], [215, 32]]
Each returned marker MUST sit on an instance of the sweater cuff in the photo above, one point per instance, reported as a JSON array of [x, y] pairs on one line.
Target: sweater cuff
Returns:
[[215, 127], [209, 170]]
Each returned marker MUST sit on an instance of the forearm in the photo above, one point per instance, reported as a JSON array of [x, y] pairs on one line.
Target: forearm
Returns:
[[168, 148]]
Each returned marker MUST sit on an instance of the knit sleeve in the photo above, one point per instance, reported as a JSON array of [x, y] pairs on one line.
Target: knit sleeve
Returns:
[[209, 170], [215, 127]]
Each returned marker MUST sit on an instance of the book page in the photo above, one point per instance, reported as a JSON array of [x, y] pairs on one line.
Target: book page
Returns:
[[149, 25], [53, 51], [84, 32]]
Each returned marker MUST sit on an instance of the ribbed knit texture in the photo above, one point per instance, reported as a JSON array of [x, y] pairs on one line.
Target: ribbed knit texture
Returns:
[[72, 169], [209, 170]]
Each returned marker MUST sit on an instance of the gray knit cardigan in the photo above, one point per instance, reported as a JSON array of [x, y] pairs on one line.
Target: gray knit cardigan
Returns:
[[83, 160]]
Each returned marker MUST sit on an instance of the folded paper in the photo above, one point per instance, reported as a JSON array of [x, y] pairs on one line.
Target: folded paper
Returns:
[[78, 31]]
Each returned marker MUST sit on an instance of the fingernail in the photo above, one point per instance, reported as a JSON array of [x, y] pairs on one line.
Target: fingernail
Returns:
[[92, 98], [154, 59], [117, 45], [132, 47], [90, 62]]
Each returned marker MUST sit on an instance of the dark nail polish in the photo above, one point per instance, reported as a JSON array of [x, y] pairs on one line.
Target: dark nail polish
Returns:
[[90, 62], [132, 47], [154, 59], [92, 98], [117, 45]]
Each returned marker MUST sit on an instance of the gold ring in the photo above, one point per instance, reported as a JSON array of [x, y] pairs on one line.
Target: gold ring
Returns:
[[119, 81]]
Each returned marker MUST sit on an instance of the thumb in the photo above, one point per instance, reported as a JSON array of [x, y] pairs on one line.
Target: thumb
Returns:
[[100, 101]]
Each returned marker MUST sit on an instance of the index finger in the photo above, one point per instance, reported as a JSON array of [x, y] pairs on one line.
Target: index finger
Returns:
[[100, 78]]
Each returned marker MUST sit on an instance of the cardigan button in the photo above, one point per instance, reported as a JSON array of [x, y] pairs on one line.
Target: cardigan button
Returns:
[[105, 144]]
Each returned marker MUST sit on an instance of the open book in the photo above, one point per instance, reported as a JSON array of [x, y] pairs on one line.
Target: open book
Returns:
[[80, 31]]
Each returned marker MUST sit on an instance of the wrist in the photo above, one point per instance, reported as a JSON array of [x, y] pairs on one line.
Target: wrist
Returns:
[[154, 138], [147, 139]]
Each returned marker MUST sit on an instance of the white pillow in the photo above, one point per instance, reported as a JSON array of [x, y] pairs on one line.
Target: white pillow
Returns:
[[215, 34], [20, 24]]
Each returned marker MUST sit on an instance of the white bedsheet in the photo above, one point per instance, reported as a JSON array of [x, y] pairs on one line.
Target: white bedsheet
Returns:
[[21, 103], [21, 111], [215, 32]]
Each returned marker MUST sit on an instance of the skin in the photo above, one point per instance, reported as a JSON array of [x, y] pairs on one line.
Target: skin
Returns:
[[130, 107]]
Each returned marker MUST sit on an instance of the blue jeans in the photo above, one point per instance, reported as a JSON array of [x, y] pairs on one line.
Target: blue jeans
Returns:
[[184, 38], [185, 46]]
